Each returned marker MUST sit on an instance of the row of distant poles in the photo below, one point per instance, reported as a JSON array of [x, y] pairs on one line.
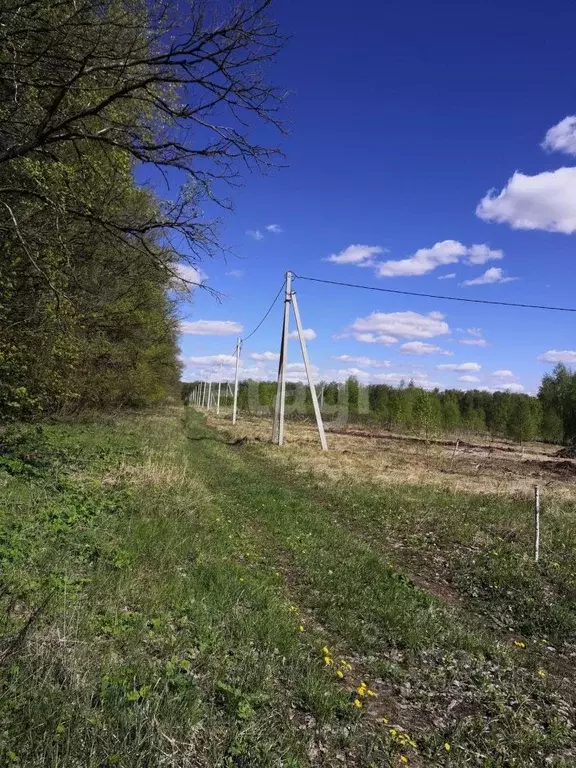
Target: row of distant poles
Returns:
[[203, 397]]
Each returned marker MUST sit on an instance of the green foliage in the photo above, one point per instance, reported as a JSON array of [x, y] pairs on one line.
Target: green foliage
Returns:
[[551, 416], [557, 394]]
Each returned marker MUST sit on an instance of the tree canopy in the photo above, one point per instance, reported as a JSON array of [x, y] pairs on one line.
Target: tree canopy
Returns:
[[93, 93]]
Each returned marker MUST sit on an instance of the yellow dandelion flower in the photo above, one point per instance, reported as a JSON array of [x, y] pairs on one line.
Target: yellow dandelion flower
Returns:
[[371, 693], [328, 660], [301, 628], [519, 644], [542, 673], [447, 746], [385, 720], [361, 690], [357, 703], [339, 673], [403, 759], [325, 651], [241, 579], [393, 732]]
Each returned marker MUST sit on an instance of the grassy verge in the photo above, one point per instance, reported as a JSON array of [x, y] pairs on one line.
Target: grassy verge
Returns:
[[170, 598]]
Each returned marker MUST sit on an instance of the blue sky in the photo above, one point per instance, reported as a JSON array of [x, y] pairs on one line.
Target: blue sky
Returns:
[[404, 117]]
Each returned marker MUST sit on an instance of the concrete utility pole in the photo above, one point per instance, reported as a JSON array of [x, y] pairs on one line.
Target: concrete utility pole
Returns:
[[235, 403], [219, 388], [278, 428], [317, 413]]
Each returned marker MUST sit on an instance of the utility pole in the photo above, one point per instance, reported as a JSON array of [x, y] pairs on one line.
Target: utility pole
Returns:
[[278, 428], [219, 388], [235, 404], [317, 414]]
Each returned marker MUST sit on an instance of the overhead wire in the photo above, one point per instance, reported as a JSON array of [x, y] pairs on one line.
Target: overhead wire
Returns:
[[270, 308], [435, 296]]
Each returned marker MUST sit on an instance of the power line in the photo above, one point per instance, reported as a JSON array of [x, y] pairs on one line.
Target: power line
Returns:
[[435, 296], [270, 308]]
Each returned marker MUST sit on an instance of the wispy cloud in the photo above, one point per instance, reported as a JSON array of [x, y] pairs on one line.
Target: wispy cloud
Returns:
[[449, 276], [422, 348], [490, 277], [275, 229], [255, 234], [210, 328], [558, 356], [459, 367], [476, 341], [469, 379], [503, 374], [235, 273], [308, 333], [359, 255]]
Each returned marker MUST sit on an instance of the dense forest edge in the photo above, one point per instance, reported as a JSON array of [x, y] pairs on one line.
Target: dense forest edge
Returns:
[[550, 416], [123, 127]]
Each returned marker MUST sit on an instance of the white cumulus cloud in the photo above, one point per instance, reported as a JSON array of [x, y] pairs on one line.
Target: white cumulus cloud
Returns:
[[427, 259], [545, 201], [361, 255], [255, 234], [469, 379], [210, 328], [459, 367], [276, 229], [490, 277], [503, 374], [308, 333], [187, 278], [510, 387], [558, 356], [388, 327], [562, 136], [264, 355], [360, 360], [422, 348], [210, 360]]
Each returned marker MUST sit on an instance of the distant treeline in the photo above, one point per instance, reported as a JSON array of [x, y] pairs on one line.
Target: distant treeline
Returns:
[[551, 416]]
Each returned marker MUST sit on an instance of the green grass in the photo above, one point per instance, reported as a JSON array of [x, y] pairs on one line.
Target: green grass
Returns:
[[166, 597]]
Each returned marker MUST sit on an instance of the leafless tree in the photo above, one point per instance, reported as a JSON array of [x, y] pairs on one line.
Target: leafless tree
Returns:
[[180, 88]]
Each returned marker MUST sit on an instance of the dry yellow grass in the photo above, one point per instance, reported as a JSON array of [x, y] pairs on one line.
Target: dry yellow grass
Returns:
[[387, 458]]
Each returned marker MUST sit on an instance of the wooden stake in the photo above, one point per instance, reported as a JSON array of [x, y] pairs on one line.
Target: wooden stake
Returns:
[[454, 452], [210, 392], [235, 404], [536, 523], [219, 388], [304, 349]]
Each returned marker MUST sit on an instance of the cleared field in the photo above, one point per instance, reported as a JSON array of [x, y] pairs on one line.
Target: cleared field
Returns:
[[383, 457], [174, 594]]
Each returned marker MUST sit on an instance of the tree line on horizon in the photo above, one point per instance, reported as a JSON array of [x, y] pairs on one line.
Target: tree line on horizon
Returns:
[[550, 416], [96, 97]]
